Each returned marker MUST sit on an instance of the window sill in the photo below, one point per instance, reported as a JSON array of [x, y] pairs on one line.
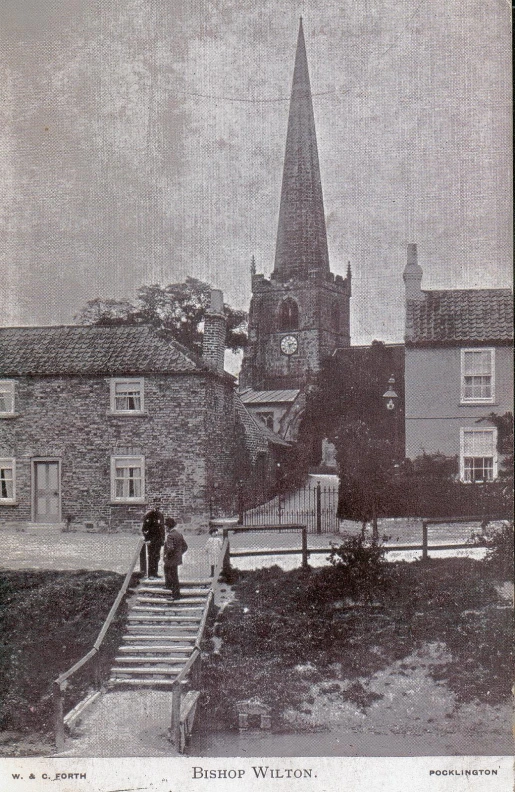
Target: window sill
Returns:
[[7, 416], [128, 502], [127, 414], [9, 502], [478, 403]]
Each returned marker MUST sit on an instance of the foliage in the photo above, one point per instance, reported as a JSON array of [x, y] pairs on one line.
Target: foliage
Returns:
[[499, 541], [363, 564], [176, 310], [282, 619], [346, 406], [49, 620]]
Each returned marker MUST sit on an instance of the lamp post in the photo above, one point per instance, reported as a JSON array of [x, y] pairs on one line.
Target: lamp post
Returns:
[[390, 399], [390, 395]]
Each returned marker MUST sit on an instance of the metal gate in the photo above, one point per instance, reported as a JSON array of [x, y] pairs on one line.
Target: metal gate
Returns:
[[313, 506]]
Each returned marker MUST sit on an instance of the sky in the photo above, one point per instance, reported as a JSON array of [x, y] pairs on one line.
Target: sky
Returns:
[[142, 141]]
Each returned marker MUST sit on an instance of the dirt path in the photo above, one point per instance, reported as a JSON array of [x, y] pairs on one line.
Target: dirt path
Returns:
[[124, 723]]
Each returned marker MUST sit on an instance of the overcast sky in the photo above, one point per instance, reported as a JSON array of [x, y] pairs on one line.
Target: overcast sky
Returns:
[[142, 141]]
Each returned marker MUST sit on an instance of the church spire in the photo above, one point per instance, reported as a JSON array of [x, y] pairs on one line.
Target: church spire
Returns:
[[301, 247]]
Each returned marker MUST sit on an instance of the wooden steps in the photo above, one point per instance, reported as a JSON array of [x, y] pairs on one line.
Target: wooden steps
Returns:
[[149, 648], [160, 634]]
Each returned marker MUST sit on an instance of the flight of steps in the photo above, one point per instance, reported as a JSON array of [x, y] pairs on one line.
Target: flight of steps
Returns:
[[160, 634]]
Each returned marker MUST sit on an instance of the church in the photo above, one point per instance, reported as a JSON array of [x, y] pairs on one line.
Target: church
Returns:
[[301, 314]]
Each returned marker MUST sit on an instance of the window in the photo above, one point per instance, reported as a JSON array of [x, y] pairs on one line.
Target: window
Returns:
[[6, 397], [478, 455], [7, 480], [477, 375], [289, 315], [335, 316], [267, 418], [128, 479], [127, 396]]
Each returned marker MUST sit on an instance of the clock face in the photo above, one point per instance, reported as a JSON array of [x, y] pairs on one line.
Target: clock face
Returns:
[[289, 345]]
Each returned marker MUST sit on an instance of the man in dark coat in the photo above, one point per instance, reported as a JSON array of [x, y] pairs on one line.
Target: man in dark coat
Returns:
[[153, 530], [175, 546]]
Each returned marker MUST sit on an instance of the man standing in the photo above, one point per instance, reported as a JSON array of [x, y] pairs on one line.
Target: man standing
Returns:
[[175, 546], [153, 530]]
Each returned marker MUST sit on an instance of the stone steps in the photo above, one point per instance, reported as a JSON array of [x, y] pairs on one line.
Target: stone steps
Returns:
[[160, 634], [141, 683], [159, 592], [147, 670], [167, 603], [153, 648], [154, 660]]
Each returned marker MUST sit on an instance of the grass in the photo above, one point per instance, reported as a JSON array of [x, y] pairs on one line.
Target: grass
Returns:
[[282, 619], [48, 621]]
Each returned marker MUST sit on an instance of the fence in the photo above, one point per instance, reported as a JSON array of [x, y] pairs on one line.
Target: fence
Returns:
[[425, 547], [313, 506]]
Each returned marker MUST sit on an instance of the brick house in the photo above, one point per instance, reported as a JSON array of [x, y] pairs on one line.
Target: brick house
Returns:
[[458, 370], [95, 422]]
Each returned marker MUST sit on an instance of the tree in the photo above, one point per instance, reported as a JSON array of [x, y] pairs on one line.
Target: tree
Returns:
[[346, 406], [177, 310]]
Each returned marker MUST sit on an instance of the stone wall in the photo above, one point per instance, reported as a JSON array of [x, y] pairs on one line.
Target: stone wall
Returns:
[[184, 434]]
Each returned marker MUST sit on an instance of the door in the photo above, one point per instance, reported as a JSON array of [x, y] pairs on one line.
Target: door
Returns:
[[47, 492]]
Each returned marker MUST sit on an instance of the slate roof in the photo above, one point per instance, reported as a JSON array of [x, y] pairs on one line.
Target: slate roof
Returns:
[[87, 351], [268, 397], [460, 316], [257, 435]]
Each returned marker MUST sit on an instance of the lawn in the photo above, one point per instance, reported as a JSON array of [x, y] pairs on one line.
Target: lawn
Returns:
[[48, 621], [439, 628]]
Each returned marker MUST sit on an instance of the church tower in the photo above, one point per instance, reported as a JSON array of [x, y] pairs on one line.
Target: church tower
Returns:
[[301, 314]]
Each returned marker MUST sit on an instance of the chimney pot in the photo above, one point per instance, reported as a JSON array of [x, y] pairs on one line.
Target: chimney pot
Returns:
[[216, 304], [213, 343], [412, 275]]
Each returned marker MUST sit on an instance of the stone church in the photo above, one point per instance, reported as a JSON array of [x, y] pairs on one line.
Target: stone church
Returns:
[[300, 315]]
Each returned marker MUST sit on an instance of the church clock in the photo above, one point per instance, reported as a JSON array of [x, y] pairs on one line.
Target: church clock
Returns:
[[289, 345]]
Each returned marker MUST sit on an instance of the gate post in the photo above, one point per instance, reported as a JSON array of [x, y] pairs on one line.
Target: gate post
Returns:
[[58, 716], [425, 555], [318, 508], [304, 548], [240, 502]]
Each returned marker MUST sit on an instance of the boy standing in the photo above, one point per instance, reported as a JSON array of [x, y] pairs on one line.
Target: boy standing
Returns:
[[175, 546]]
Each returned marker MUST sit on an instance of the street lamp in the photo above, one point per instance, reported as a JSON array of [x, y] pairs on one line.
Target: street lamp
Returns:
[[390, 395]]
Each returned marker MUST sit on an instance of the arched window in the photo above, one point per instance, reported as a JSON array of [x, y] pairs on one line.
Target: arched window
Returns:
[[289, 315], [335, 317]]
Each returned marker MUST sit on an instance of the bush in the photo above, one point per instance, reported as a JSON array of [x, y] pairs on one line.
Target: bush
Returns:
[[359, 571], [499, 541]]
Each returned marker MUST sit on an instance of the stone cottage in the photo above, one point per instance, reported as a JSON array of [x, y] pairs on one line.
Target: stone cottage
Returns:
[[96, 422]]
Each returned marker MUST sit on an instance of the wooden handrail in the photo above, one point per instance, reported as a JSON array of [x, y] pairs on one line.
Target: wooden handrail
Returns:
[[109, 618], [121, 594], [195, 658], [202, 626], [185, 671], [58, 683]]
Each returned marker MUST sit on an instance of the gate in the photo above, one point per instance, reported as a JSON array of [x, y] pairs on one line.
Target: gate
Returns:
[[314, 506]]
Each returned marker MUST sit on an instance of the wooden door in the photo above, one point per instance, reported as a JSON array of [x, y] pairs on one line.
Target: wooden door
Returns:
[[47, 492]]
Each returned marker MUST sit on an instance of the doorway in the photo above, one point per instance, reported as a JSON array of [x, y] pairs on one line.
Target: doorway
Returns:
[[47, 491]]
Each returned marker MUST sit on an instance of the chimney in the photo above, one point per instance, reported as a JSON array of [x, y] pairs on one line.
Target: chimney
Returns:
[[412, 275], [213, 343]]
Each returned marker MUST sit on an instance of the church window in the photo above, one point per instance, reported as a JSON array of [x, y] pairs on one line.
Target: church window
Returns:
[[288, 315], [335, 317], [267, 418]]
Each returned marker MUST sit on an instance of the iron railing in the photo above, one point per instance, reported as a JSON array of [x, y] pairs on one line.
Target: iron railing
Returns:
[[313, 506]]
